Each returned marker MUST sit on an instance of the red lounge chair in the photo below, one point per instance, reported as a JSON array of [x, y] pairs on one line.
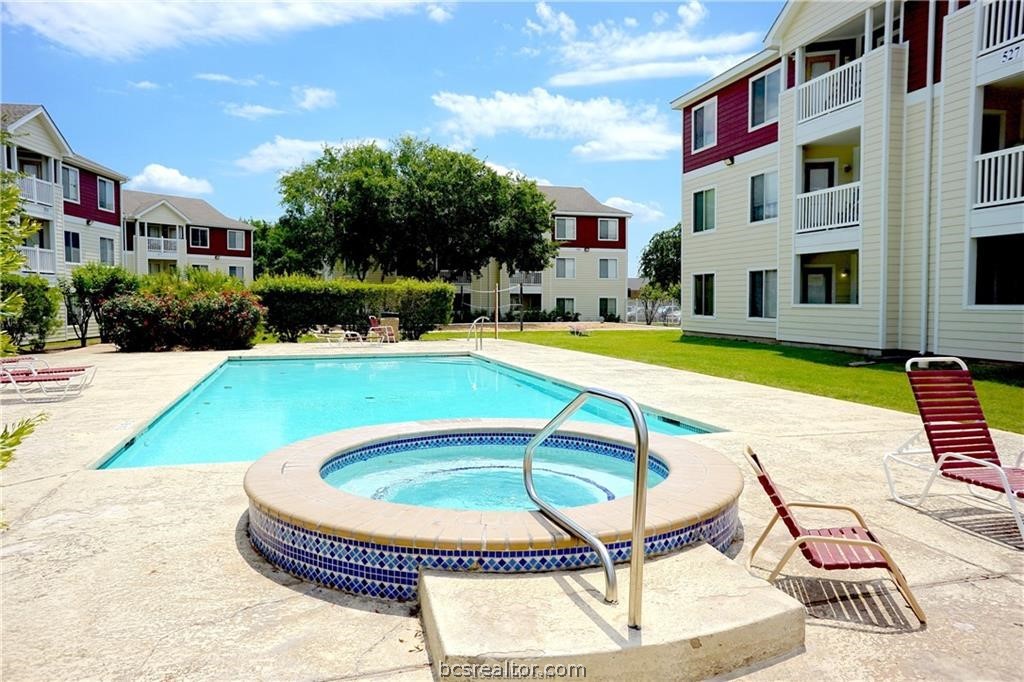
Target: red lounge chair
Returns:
[[956, 435], [384, 332], [830, 549], [45, 386], [19, 361]]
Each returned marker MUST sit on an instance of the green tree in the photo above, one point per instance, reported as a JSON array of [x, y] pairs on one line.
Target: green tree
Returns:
[[89, 287], [38, 315], [521, 237], [660, 261], [651, 298], [285, 247]]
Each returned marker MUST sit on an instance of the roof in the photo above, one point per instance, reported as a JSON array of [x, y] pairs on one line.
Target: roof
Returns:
[[747, 66], [579, 201], [634, 283], [79, 161], [198, 211], [781, 21], [12, 114]]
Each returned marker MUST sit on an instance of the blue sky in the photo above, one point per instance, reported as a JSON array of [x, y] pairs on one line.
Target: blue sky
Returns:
[[216, 100]]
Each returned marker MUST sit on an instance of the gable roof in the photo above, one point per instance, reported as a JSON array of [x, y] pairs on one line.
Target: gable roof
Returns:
[[13, 115], [578, 200], [135, 204], [79, 161], [744, 68]]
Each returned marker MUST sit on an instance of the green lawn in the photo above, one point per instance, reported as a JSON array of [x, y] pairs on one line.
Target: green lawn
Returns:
[[821, 372]]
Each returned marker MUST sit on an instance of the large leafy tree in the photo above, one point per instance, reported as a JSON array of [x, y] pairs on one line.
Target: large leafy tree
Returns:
[[660, 261], [521, 237], [285, 247]]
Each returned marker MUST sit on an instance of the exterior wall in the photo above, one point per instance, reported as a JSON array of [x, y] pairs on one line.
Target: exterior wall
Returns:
[[219, 243], [731, 250], [812, 19], [87, 206], [915, 32], [163, 215], [733, 136], [34, 135], [221, 264]]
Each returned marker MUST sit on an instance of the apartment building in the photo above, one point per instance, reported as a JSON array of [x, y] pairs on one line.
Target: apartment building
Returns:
[[75, 201], [587, 276], [163, 232], [859, 183]]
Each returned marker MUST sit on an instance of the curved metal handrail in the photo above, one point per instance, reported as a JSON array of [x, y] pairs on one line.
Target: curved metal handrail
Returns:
[[479, 332], [636, 561]]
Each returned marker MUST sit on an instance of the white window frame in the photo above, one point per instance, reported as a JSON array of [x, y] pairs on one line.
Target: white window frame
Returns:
[[113, 254], [99, 194], [566, 298], [613, 299], [615, 224], [693, 229], [565, 269], [237, 267], [610, 260], [751, 127], [711, 102], [78, 184], [200, 266], [568, 221], [231, 248], [763, 271], [693, 295], [750, 197], [196, 230], [76, 248]]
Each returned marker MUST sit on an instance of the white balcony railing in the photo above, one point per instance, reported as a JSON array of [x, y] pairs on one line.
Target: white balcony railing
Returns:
[[999, 177], [526, 278], [161, 245], [827, 209], [36, 190], [1001, 24], [39, 260], [834, 90]]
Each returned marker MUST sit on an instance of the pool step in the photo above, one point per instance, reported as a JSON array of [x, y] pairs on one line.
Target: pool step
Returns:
[[703, 615]]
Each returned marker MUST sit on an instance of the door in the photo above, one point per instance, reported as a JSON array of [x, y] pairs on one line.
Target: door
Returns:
[[816, 285], [993, 131], [819, 64], [819, 175]]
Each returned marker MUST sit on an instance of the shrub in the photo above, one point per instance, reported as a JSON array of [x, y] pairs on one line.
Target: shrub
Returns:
[[141, 322], [89, 287], [421, 306], [38, 315], [297, 303], [224, 320], [189, 282]]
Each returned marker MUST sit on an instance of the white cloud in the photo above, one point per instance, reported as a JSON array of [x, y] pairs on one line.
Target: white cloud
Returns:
[[642, 213], [604, 129], [506, 170], [313, 98], [87, 27], [285, 153], [631, 22], [551, 21], [163, 179], [439, 12], [659, 18], [692, 13], [702, 66], [253, 112], [224, 78], [143, 85]]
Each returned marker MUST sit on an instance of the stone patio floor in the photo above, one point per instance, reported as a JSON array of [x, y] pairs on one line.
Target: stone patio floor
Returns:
[[147, 573]]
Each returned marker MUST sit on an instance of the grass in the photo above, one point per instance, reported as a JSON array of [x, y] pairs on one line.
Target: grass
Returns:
[[819, 372]]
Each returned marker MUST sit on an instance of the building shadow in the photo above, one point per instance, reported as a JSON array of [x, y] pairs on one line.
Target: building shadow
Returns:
[[871, 605]]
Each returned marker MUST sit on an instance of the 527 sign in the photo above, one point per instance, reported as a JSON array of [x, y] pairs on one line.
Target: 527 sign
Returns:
[[1010, 53]]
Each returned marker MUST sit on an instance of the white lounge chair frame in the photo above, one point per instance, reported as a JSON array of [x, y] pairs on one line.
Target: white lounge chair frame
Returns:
[[47, 391]]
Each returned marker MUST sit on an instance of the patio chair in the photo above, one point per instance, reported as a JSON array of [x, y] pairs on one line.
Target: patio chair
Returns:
[[382, 331], [22, 361], [830, 549], [956, 436], [46, 386]]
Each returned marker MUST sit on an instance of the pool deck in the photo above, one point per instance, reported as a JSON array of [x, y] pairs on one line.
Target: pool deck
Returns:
[[147, 573]]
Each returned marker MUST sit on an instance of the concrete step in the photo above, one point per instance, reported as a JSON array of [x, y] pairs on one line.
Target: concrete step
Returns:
[[703, 615]]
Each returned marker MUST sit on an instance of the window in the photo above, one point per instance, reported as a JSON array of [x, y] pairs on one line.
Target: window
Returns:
[[565, 306], [205, 268], [607, 307], [704, 210], [565, 268], [998, 278], [764, 99], [106, 251], [199, 237], [705, 124], [565, 229], [72, 247], [764, 197], [236, 271], [704, 295], [69, 180], [236, 240], [608, 229], [608, 268], [105, 194], [763, 294], [829, 278]]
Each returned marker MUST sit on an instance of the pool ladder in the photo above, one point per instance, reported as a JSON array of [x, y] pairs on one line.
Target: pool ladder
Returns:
[[479, 329], [636, 560]]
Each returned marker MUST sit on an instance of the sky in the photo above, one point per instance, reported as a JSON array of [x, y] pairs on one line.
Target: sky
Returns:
[[217, 100]]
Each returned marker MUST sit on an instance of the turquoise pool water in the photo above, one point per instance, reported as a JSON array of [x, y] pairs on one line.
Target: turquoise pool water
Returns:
[[488, 477], [248, 408]]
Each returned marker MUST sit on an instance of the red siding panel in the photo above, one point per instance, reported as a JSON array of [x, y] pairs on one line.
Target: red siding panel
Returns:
[[586, 233], [915, 32], [733, 120], [88, 206], [219, 244]]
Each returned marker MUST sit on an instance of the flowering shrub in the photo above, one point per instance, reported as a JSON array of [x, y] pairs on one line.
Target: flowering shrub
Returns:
[[141, 322]]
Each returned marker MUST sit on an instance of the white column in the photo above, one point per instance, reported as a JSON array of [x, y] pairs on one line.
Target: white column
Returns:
[[889, 5], [869, 29], [800, 52], [783, 73]]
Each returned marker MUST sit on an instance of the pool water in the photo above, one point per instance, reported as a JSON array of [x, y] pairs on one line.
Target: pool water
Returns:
[[247, 408], [487, 477]]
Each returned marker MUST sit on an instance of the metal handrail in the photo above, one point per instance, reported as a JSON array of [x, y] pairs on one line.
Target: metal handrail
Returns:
[[636, 560], [479, 332]]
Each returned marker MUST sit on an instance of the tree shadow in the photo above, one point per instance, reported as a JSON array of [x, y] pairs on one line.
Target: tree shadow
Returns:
[[870, 605]]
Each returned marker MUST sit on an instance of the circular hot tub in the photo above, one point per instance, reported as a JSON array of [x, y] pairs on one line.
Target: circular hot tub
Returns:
[[363, 510]]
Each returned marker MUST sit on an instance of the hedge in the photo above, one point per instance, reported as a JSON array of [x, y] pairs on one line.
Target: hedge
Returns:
[[38, 315], [296, 304]]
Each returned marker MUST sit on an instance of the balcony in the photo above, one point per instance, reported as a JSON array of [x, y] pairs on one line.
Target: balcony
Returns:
[[999, 177], [830, 92], [528, 278], [43, 261], [828, 209], [35, 190], [1002, 24], [158, 246]]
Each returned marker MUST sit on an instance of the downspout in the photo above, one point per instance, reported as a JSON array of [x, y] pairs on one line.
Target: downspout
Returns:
[[926, 194], [883, 280]]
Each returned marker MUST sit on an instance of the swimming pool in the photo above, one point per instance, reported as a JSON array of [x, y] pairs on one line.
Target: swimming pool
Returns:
[[247, 408]]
